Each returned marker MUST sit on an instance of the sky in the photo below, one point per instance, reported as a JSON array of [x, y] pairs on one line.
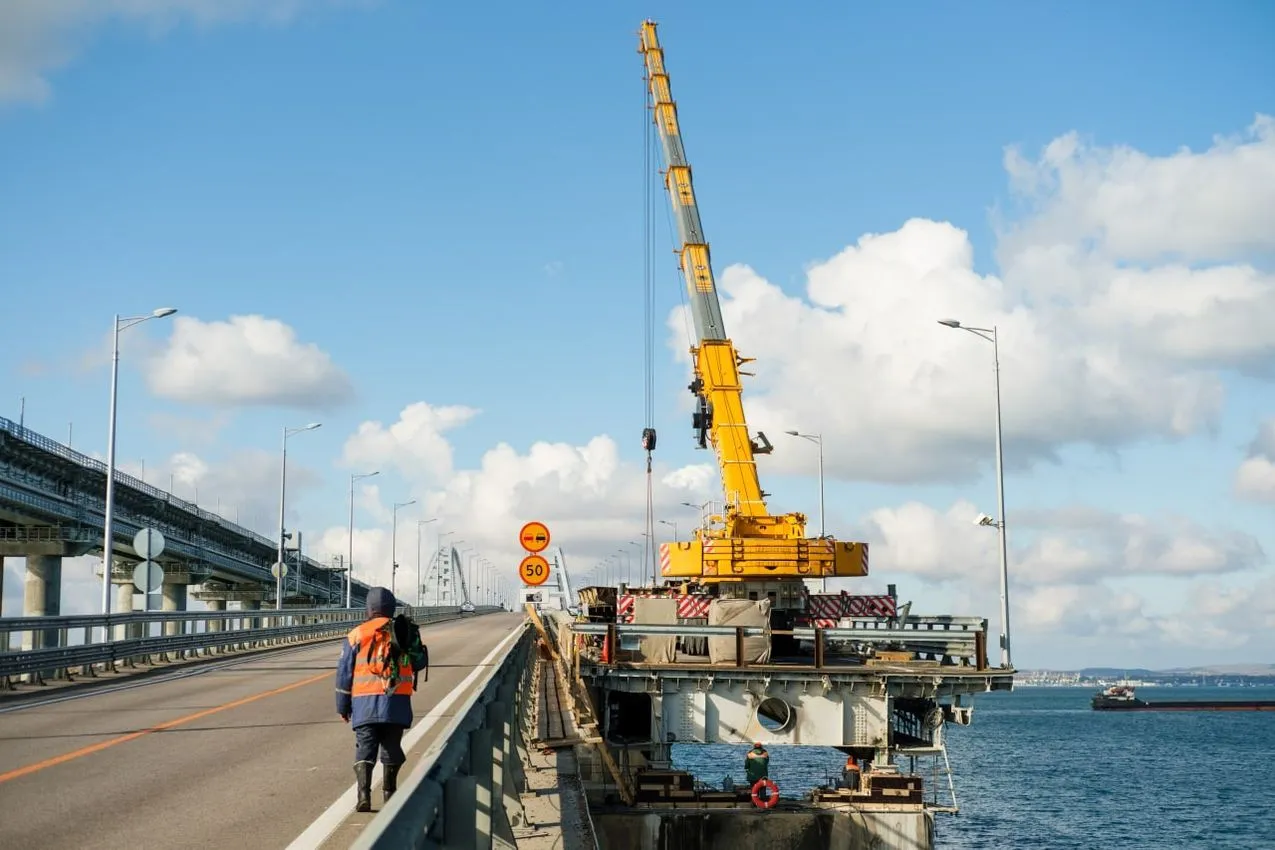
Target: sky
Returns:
[[423, 225]]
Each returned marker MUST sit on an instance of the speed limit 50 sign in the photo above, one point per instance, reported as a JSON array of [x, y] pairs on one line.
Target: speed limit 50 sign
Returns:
[[534, 570]]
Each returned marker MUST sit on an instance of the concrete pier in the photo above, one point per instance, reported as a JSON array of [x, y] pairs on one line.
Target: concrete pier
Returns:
[[216, 605], [42, 597], [174, 600]]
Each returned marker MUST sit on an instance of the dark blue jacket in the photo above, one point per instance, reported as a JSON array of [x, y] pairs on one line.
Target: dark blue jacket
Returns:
[[361, 697]]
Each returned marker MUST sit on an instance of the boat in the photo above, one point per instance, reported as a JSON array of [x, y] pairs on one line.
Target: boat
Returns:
[[1124, 698]]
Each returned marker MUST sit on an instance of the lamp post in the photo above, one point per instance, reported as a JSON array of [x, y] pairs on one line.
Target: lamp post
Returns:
[[817, 439], [349, 565], [673, 523], [283, 489], [1000, 479], [419, 586], [394, 545], [108, 519]]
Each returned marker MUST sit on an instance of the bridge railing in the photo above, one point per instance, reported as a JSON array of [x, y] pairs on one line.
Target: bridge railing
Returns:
[[465, 792], [947, 639], [49, 651]]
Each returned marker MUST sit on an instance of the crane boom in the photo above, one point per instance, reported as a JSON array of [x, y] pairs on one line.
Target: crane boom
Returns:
[[720, 410], [751, 544]]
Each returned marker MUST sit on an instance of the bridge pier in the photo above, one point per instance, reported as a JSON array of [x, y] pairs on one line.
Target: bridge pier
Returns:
[[124, 605], [42, 597], [174, 600], [216, 605]]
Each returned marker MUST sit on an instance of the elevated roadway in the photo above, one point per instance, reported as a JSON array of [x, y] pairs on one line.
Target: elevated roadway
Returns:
[[247, 753]]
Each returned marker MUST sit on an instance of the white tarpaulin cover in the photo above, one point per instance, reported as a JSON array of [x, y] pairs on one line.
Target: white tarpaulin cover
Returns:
[[739, 612]]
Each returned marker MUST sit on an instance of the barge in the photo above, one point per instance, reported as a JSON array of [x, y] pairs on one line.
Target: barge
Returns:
[[1123, 698]]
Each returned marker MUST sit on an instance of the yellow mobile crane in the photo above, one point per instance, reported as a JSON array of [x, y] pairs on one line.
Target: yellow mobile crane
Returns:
[[746, 543]]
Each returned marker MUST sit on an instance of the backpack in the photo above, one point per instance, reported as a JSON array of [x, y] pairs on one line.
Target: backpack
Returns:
[[398, 640]]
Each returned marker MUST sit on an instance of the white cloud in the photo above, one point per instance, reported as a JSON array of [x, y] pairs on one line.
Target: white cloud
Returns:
[[245, 361], [1210, 205], [1070, 580], [1094, 347], [242, 486], [1255, 478], [592, 500], [415, 444], [38, 36], [1067, 546]]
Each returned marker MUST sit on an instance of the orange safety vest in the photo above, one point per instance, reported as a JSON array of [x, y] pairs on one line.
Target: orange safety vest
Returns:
[[369, 679]]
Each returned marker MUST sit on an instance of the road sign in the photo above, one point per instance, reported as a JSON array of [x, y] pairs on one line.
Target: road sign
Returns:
[[148, 544], [534, 570], [534, 537], [148, 576], [279, 570]]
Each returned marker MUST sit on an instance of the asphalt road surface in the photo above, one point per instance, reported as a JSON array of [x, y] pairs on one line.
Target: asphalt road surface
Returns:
[[241, 756]]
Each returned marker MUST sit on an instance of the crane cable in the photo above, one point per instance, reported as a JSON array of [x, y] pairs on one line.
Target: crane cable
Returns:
[[648, 296]]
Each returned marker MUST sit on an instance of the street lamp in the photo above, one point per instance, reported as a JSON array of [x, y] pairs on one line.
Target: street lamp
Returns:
[[394, 545], [673, 523], [818, 440], [1000, 479], [420, 593], [283, 489], [108, 519], [349, 572]]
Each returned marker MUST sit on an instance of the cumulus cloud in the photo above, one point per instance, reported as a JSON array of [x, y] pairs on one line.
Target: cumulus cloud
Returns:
[[1255, 479], [592, 499], [1051, 548], [245, 361], [242, 486], [39, 36], [1095, 347], [1070, 572], [1212, 205]]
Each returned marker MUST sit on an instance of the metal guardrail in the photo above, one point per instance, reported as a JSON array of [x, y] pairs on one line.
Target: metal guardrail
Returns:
[[253, 629], [465, 792], [943, 636]]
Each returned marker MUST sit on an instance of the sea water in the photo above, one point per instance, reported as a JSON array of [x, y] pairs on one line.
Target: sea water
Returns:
[[1040, 769]]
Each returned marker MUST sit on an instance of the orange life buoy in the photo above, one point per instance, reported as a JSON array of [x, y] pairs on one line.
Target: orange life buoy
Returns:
[[771, 798]]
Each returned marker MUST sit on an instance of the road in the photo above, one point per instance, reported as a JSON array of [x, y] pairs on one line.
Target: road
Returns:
[[243, 756]]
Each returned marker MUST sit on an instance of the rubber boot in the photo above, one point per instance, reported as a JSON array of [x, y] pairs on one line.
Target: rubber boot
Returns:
[[363, 773], [390, 785]]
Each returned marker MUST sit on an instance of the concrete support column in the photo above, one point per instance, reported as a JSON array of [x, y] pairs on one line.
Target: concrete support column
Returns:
[[124, 605], [42, 597], [216, 605], [174, 600], [2, 648], [251, 605]]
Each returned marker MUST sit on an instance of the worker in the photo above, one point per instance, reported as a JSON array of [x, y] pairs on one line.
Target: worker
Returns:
[[757, 764], [850, 773], [374, 688]]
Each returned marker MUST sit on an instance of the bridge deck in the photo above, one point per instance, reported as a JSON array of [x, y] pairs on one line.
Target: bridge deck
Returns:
[[241, 754]]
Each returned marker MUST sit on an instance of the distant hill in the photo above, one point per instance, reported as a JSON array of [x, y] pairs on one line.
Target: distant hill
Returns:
[[1143, 673]]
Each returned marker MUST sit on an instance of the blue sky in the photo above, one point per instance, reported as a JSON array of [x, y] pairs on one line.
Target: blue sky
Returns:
[[448, 203]]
